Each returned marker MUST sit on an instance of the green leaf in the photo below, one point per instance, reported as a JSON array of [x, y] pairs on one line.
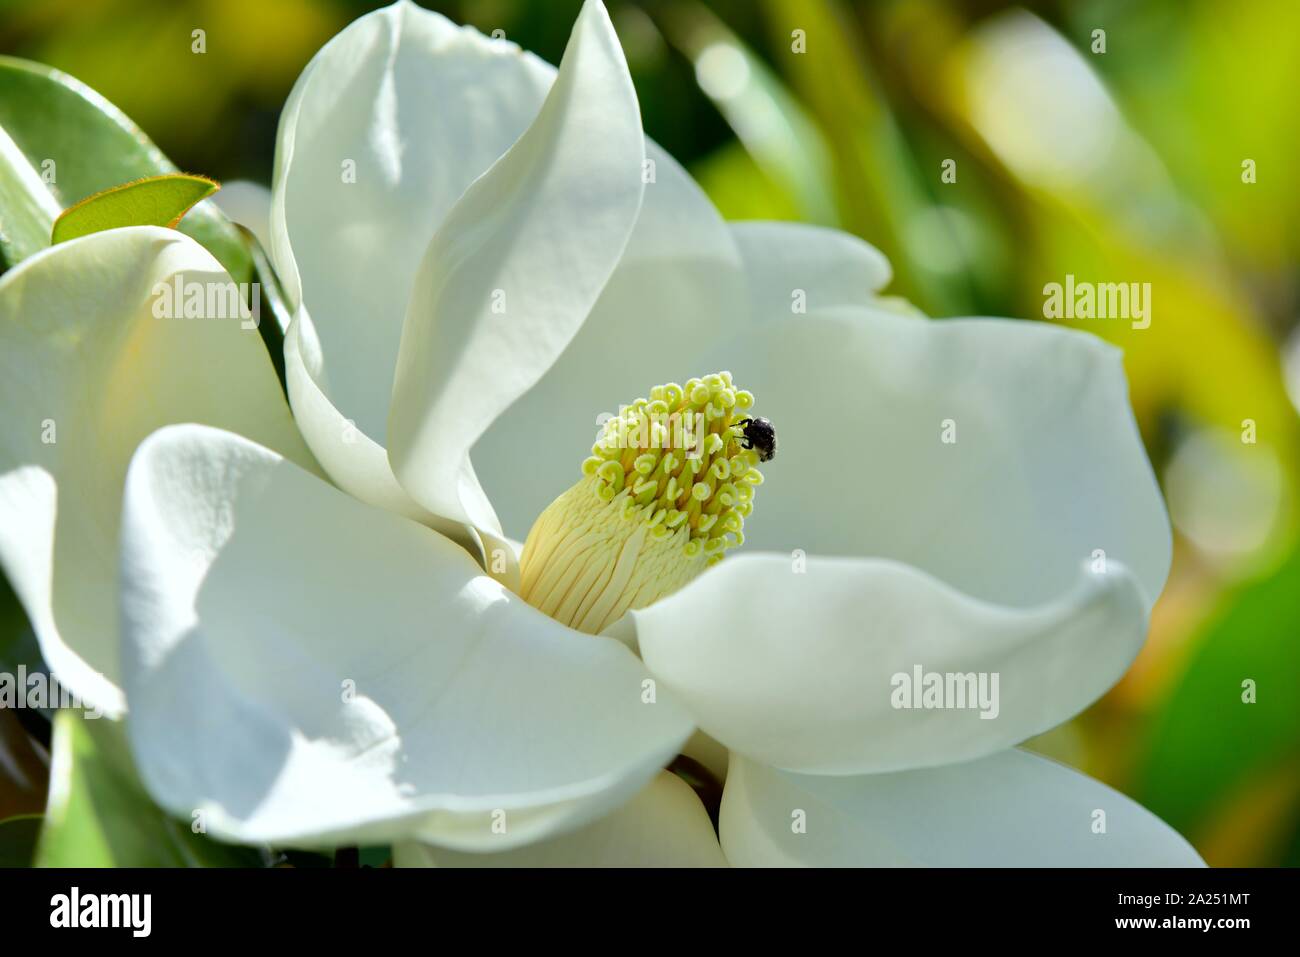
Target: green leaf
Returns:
[[27, 210], [76, 144], [1209, 746], [100, 816], [155, 201], [18, 836]]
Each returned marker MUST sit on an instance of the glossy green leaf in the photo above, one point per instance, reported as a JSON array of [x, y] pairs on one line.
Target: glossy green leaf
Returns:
[[100, 816], [77, 144], [155, 201], [27, 210]]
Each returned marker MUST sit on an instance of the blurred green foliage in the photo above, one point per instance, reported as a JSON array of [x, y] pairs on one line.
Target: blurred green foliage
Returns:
[[1124, 162], [100, 816], [1220, 770]]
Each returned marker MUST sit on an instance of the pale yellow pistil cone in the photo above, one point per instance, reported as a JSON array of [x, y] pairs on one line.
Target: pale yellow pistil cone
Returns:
[[663, 496]]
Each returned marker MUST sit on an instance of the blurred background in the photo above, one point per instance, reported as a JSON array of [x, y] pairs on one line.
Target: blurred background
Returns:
[[1114, 140]]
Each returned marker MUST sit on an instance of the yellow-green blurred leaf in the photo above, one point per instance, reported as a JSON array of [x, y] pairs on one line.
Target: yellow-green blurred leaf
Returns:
[[740, 189], [1097, 202], [767, 119], [880, 189]]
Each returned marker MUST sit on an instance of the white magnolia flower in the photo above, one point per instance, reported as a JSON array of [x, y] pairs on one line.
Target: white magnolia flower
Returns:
[[483, 253]]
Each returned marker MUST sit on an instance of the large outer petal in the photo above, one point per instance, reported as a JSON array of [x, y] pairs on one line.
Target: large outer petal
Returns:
[[306, 669], [793, 663], [1002, 530], [82, 354], [662, 826], [1012, 809], [514, 270], [1046, 469]]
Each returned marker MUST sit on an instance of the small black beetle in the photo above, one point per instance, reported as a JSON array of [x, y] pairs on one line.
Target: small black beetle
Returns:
[[760, 434]]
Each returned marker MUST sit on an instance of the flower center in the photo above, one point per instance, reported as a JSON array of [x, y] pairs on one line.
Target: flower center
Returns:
[[663, 495]]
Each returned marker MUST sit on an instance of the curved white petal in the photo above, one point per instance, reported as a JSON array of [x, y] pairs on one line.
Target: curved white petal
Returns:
[[811, 268], [820, 665], [514, 270], [87, 370], [356, 462], [385, 129], [678, 290], [306, 669], [664, 825], [1012, 809], [995, 455], [383, 132]]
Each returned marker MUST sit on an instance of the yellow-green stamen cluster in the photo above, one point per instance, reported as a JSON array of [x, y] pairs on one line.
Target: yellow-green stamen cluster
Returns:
[[664, 494]]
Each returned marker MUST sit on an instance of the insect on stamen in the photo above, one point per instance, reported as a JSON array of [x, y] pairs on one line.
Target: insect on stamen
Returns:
[[759, 434], [664, 494]]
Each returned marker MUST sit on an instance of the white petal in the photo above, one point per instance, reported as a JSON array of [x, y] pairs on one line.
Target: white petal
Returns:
[[1047, 469], [307, 669], [807, 669], [663, 826], [678, 290], [386, 127], [86, 372], [514, 270], [829, 267], [1012, 809], [352, 459]]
